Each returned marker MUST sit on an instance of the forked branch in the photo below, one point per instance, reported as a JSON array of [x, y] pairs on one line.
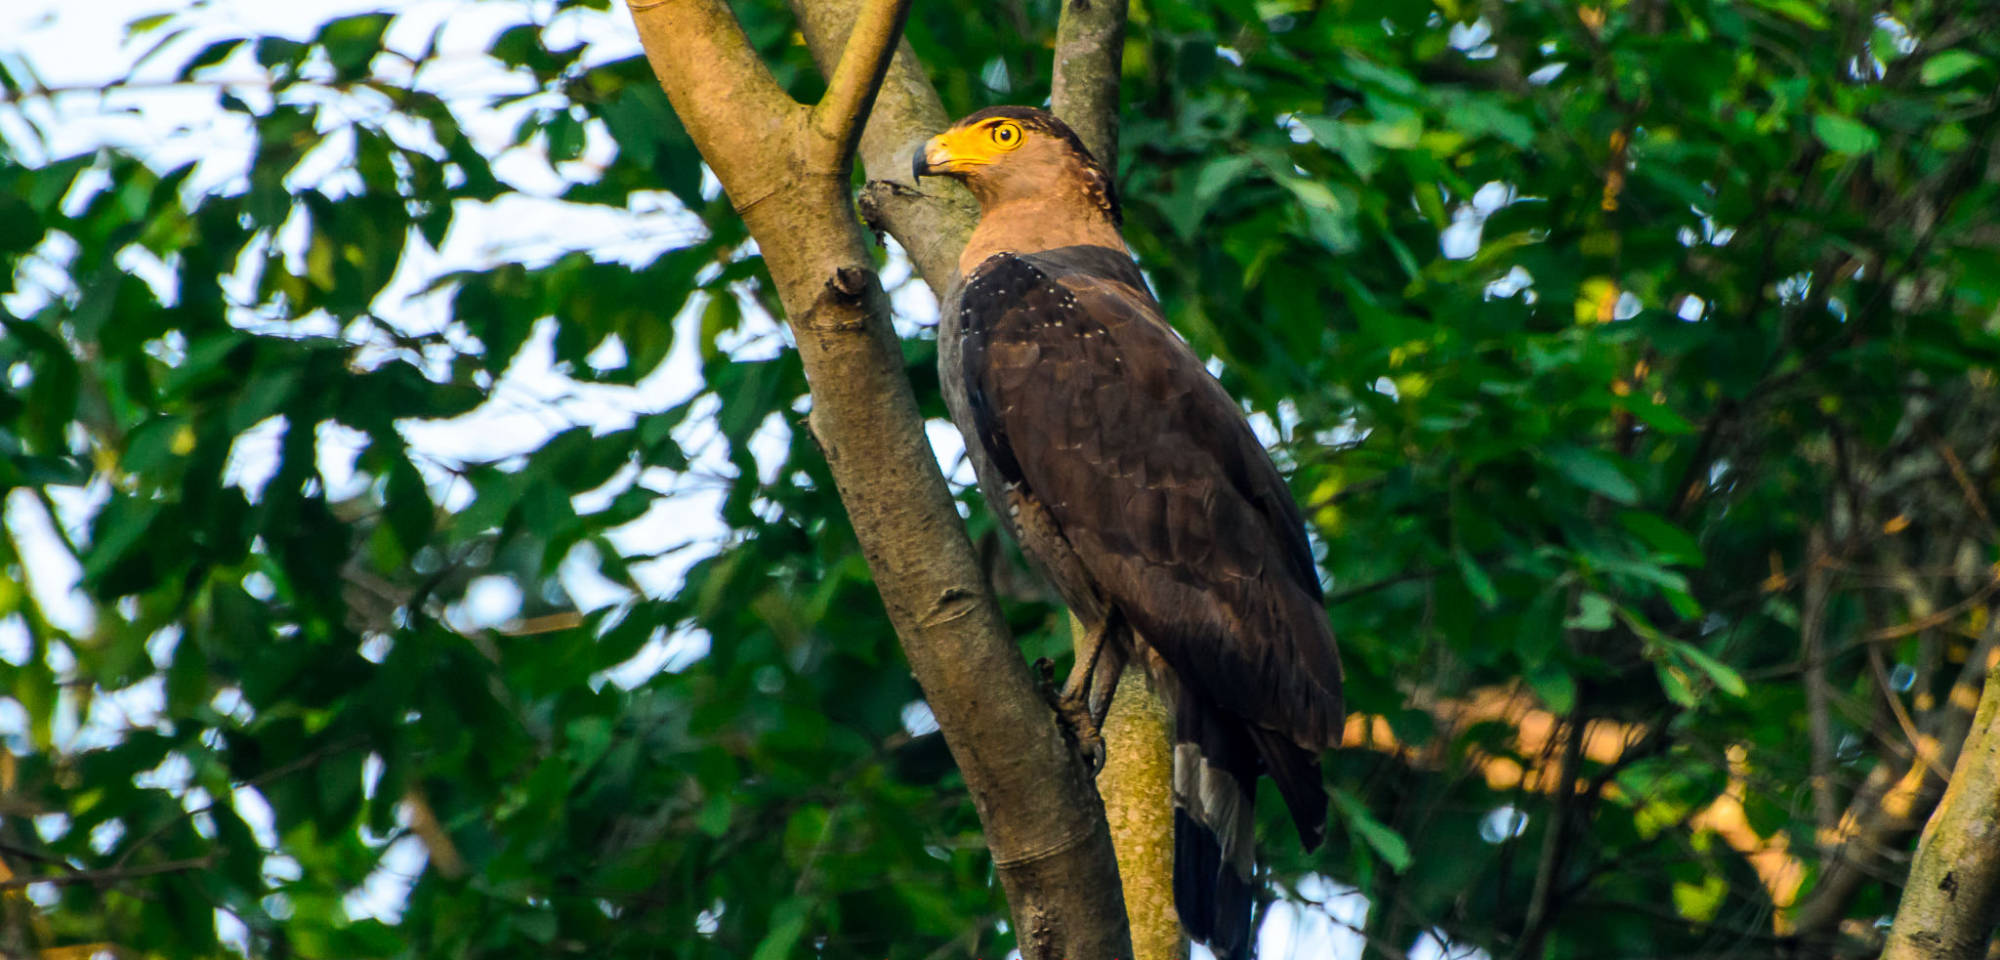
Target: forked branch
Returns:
[[851, 90]]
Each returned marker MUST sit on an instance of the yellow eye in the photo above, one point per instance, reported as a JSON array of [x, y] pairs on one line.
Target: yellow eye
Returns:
[[1006, 134]]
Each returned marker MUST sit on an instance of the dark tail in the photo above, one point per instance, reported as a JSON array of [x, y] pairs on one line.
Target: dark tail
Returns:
[[1217, 758]]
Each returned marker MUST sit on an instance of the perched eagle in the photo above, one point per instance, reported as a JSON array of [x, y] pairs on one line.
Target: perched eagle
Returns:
[[1131, 481]]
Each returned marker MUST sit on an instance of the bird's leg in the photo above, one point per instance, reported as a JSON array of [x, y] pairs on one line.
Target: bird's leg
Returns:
[[1075, 705], [1087, 654]]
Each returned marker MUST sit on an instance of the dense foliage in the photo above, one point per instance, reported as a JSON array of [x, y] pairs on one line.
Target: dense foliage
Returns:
[[1634, 358]]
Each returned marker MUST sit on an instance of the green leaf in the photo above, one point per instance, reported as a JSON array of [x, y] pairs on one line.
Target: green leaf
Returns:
[[1593, 612], [1699, 902], [120, 528], [1348, 140], [1216, 177], [146, 24], [1594, 471], [1807, 12], [1476, 580], [788, 923], [1662, 418], [272, 51], [1555, 687], [1674, 684], [1882, 43], [1386, 842], [352, 42], [565, 137], [210, 55], [1726, 678], [538, 926], [1950, 65], [805, 834], [20, 227], [1664, 538], [1541, 627], [1845, 134]]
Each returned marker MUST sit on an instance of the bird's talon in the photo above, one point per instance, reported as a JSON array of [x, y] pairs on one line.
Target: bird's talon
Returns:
[[1093, 756], [1083, 729]]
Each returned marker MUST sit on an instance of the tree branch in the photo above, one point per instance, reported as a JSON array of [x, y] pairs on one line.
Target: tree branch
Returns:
[[697, 47], [1042, 820], [1892, 802], [1819, 694], [112, 875], [1952, 899], [932, 228], [1137, 786], [1090, 50], [933, 221], [851, 87], [1909, 727], [1939, 618], [1555, 844]]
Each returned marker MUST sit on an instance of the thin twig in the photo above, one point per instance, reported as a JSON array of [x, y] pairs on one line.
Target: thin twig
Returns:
[[113, 875], [282, 770], [1819, 722], [1339, 596], [1903, 716], [1936, 619], [34, 857], [1965, 484], [1555, 844]]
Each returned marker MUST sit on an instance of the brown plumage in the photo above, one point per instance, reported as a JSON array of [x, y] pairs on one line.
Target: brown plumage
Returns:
[[1131, 481]]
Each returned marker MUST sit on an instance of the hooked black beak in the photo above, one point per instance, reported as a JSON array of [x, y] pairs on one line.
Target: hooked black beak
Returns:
[[919, 166]]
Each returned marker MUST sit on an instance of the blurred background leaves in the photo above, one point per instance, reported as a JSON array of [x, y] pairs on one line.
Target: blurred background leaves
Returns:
[[364, 596]]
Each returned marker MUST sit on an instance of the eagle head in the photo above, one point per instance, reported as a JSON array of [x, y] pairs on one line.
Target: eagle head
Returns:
[[1008, 153]]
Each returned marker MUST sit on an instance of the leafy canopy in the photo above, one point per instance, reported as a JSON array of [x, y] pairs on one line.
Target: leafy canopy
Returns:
[[1621, 355]]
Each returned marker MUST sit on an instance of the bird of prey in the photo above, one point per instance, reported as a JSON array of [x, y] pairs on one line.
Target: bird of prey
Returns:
[[1132, 482]]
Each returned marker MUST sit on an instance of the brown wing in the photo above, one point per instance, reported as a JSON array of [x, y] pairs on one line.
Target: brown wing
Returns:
[[1081, 393]]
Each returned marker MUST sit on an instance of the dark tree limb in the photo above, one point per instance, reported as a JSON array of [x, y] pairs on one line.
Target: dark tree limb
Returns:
[[1543, 900], [1036, 802], [111, 875], [1819, 694]]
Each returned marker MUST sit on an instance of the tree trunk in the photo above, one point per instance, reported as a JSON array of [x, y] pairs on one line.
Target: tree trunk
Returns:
[[1952, 900], [786, 167]]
